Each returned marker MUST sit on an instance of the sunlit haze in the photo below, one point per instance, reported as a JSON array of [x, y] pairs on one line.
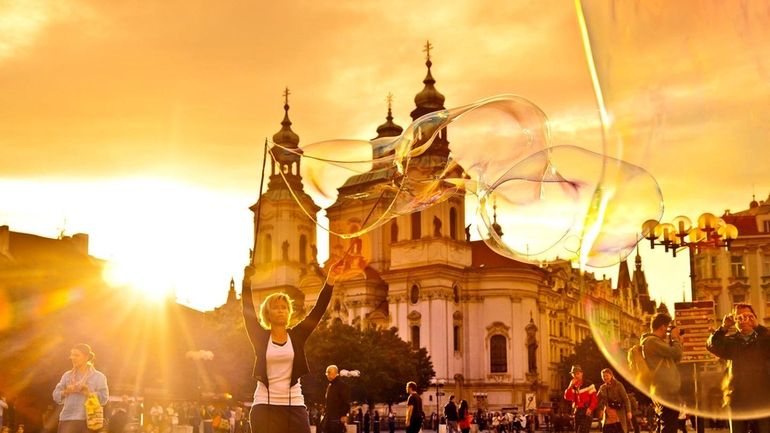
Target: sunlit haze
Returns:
[[142, 123]]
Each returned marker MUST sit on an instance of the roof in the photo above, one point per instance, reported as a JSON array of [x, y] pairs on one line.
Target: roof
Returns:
[[746, 224], [482, 255], [26, 248], [746, 220]]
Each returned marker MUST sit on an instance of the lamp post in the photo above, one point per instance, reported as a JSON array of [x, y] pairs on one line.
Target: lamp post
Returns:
[[438, 383], [710, 232]]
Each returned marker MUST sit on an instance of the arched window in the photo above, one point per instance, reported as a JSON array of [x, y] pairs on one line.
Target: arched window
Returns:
[[498, 354], [417, 225], [414, 294], [302, 249], [415, 337], [393, 232], [267, 252], [456, 338], [453, 223]]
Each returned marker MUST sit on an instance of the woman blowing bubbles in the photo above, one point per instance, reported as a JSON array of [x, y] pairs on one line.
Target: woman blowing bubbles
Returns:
[[279, 406], [75, 386]]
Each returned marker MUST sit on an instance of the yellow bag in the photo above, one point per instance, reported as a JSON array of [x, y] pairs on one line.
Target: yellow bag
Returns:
[[94, 413]]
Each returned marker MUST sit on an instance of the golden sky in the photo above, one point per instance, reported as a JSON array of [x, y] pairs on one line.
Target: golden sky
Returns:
[[142, 123]]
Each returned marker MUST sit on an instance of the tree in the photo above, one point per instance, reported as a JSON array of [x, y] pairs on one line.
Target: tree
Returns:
[[231, 368], [386, 363]]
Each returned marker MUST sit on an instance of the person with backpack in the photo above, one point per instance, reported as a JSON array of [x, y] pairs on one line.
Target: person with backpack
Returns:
[[414, 414], [582, 393], [450, 413], [662, 350]]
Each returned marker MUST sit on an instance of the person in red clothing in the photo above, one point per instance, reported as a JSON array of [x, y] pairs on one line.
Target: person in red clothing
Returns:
[[582, 394]]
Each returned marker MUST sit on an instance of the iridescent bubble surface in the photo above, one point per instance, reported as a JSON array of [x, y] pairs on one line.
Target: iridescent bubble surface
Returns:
[[671, 104]]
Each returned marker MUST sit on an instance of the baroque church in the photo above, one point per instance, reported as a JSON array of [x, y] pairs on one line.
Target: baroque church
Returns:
[[495, 328]]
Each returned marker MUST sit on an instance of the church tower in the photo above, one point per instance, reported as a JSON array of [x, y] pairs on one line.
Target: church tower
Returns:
[[430, 255], [361, 294], [285, 242]]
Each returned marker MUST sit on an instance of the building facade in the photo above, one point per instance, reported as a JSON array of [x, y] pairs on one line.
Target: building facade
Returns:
[[741, 274], [495, 328]]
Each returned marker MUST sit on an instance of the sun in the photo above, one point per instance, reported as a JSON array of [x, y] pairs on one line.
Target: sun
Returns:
[[149, 279]]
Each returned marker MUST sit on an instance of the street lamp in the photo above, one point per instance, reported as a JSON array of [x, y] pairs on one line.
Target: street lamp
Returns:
[[438, 383], [710, 232]]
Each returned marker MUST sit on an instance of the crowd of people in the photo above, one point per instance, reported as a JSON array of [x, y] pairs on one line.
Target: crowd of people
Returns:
[[740, 340], [278, 404]]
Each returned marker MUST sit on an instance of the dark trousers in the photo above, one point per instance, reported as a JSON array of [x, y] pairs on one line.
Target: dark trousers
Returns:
[[279, 419], [582, 421], [333, 426], [73, 426], [615, 427], [414, 427]]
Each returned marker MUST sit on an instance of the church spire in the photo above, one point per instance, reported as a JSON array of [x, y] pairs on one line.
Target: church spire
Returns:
[[389, 129], [286, 155], [286, 137], [231, 293], [429, 99], [497, 228]]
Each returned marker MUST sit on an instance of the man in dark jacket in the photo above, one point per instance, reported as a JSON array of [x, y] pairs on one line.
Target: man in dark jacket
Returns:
[[450, 413], [746, 351], [337, 402]]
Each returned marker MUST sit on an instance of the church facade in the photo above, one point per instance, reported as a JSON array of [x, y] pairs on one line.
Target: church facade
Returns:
[[495, 328]]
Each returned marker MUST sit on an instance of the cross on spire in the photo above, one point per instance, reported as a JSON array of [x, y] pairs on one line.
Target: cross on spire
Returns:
[[389, 100], [427, 49], [286, 94]]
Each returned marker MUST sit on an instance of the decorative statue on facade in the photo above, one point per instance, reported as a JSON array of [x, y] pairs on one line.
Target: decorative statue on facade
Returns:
[[531, 330], [436, 227], [285, 250]]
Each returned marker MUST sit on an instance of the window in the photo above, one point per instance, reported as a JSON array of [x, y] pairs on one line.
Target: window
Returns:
[[737, 269], [415, 337], [267, 252], [456, 338], [456, 294], [303, 249], [766, 265], [393, 232], [497, 354], [414, 294], [417, 225], [766, 226], [561, 329], [453, 223]]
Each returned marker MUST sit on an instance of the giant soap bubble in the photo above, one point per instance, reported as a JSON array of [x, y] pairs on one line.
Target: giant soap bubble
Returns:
[[678, 82], [551, 202]]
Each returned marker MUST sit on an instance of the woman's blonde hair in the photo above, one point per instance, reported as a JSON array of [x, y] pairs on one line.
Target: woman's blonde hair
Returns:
[[268, 302]]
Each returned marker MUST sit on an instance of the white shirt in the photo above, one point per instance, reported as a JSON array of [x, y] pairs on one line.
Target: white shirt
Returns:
[[279, 360]]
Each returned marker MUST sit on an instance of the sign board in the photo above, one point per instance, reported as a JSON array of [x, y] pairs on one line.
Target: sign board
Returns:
[[530, 402], [697, 319]]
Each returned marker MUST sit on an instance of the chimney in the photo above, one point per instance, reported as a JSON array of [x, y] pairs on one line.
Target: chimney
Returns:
[[80, 242], [5, 241]]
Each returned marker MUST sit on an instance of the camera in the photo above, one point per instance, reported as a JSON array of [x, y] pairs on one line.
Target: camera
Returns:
[[681, 331]]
